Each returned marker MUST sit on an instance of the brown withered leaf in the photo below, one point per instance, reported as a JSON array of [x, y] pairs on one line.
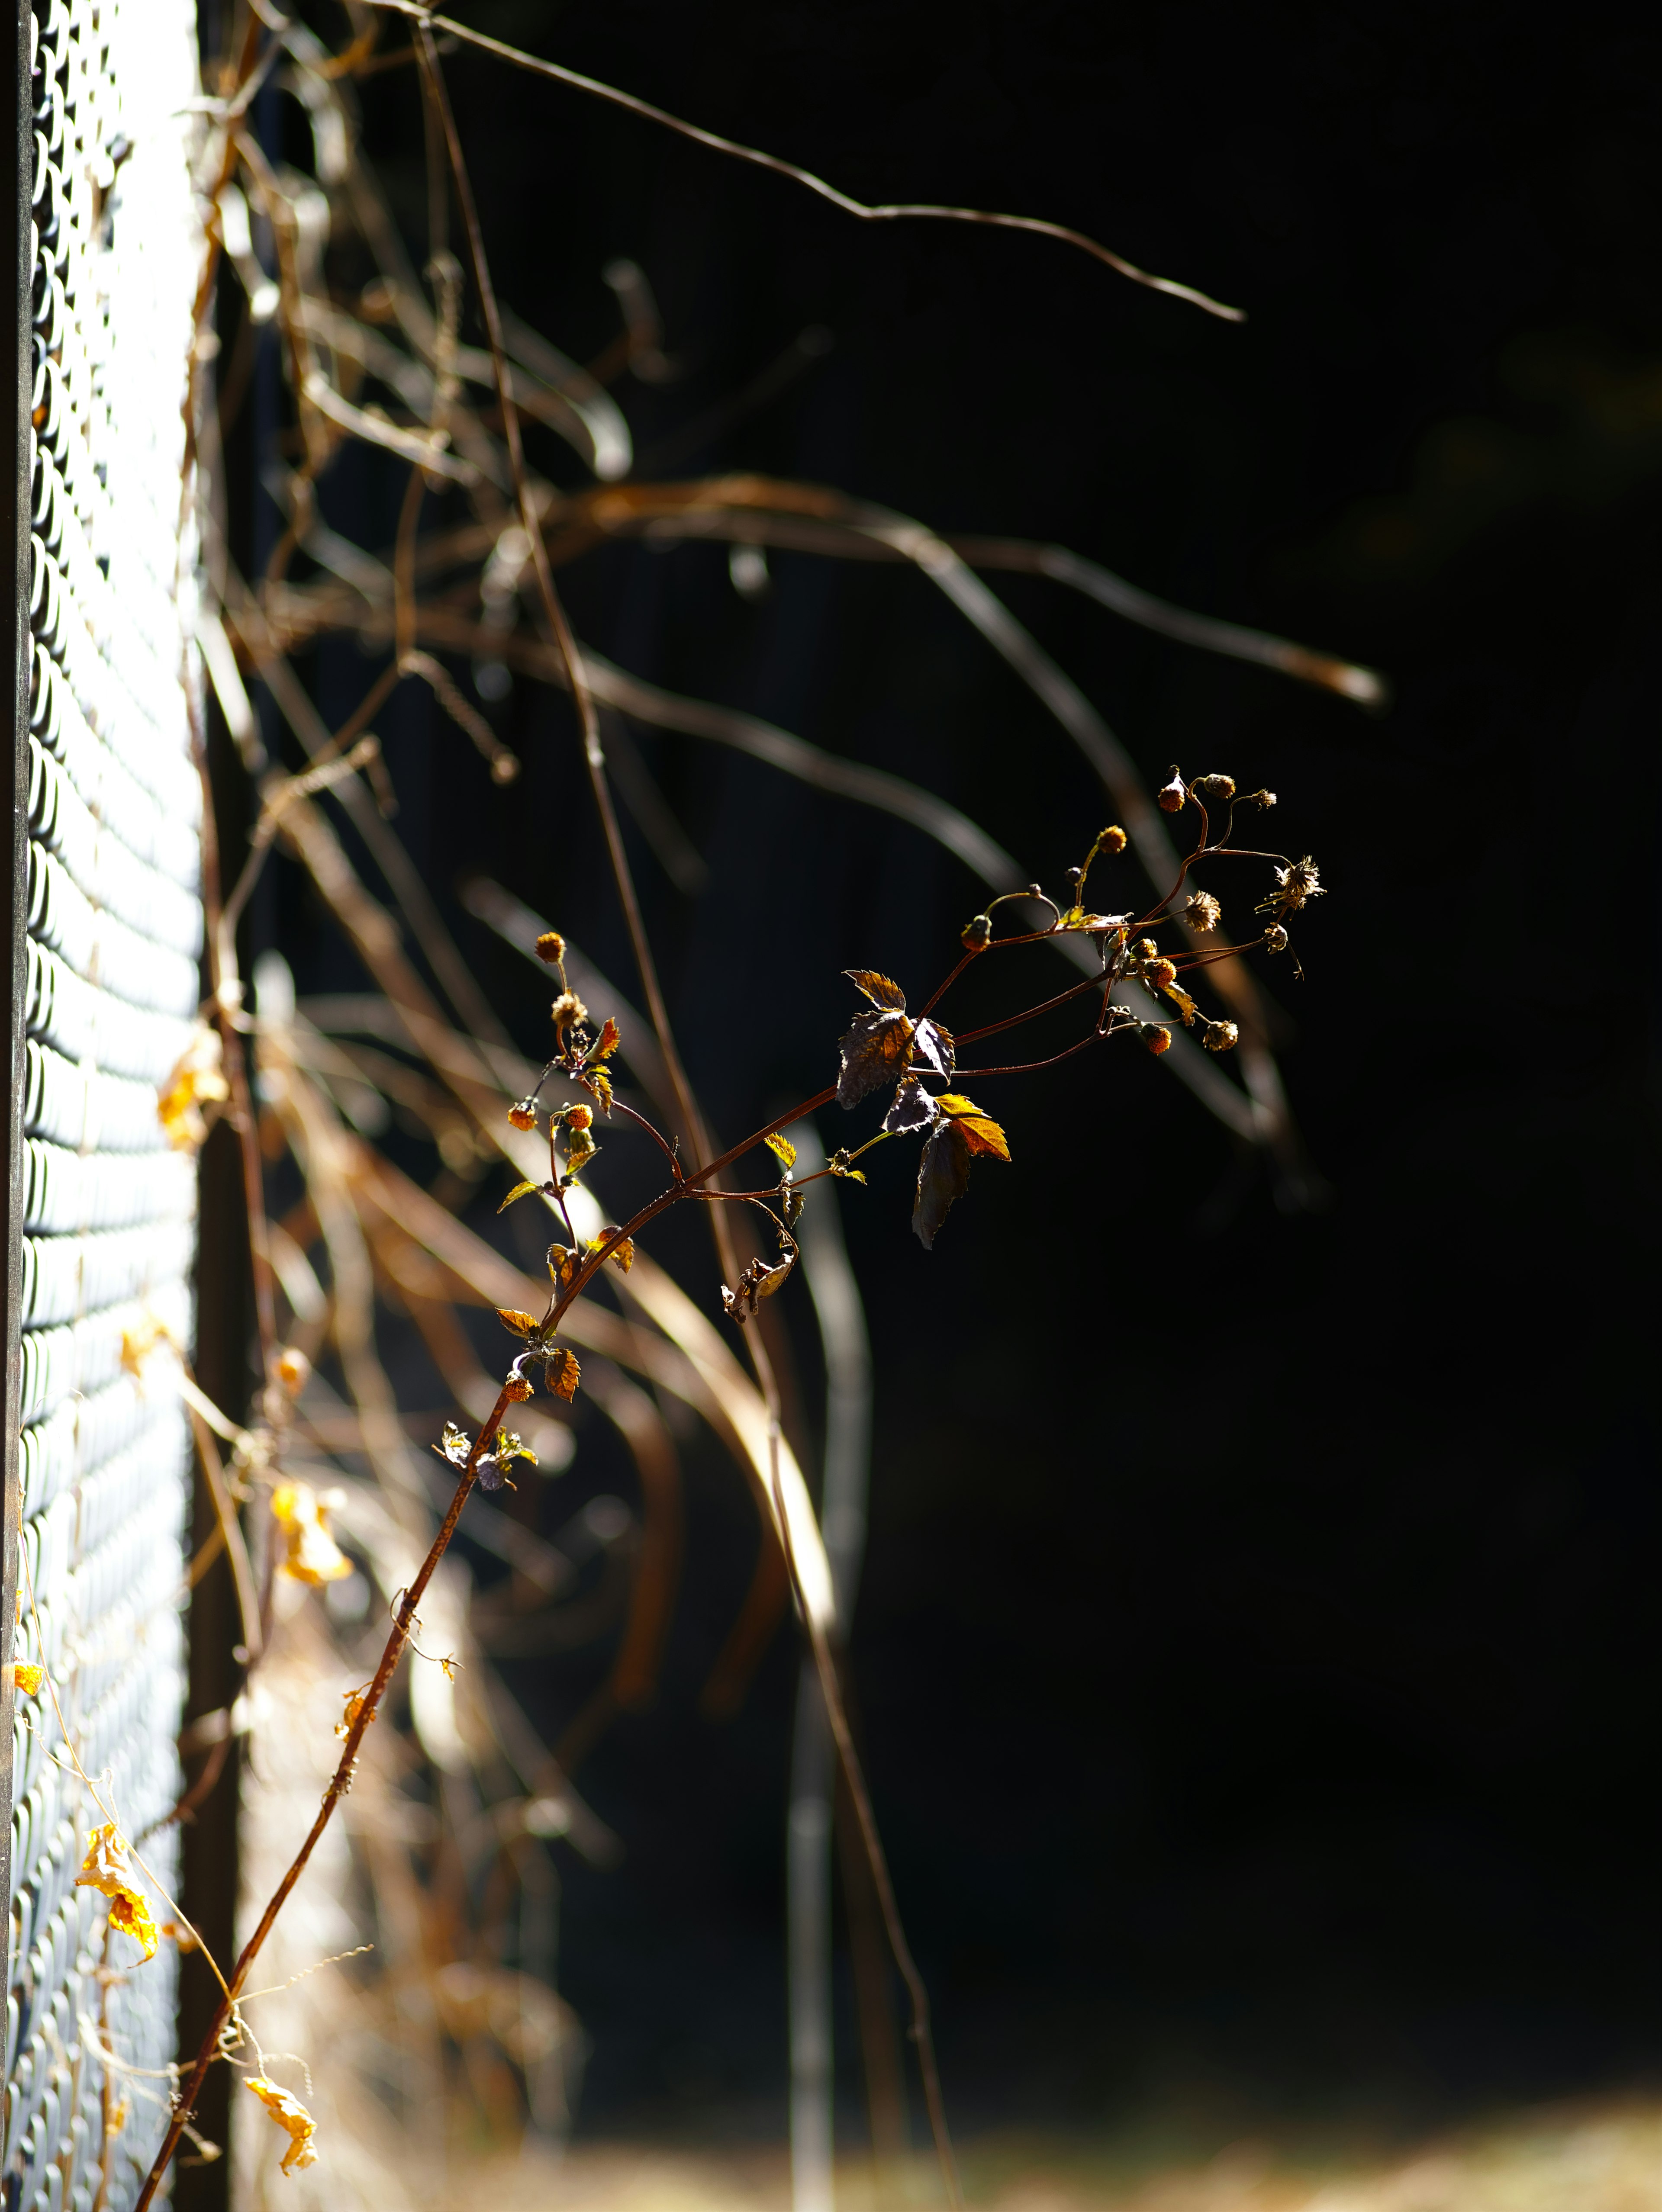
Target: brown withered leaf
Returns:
[[933, 1046], [608, 1041], [874, 1052], [980, 1133], [562, 1264], [563, 1375], [913, 1108], [520, 1190], [1184, 1005], [622, 1255], [520, 1324], [878, 988]]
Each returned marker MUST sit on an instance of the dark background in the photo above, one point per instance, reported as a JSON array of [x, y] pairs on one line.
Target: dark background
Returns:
[[1256, 1651]]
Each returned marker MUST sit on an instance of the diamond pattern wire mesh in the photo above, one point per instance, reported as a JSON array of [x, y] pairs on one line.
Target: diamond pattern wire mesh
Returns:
[[114, 934]]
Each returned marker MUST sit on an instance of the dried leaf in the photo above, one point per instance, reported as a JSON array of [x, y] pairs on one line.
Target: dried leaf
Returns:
[[198, 1078], [875, 1053], [352, 1700], [1181, 999], [580, 1149], [913, 1108], [622, 1255], [563, 1375], [838, 1166], [602, 1083], [980, 1133], [508, 1446], [288, 2112], [456, 1445], [312, 1554], [878, 988], [522, 1324], [782, 1148], [609, 1041], [562, 1264], [520, 1190], [963, 1133], [107, 1870], [27, 1677], [933, 1046]]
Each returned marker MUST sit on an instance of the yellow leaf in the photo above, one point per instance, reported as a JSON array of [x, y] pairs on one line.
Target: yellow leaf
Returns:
[[27, 1677], [196, 1079], [288, 2112], [782, 1148], [520, 1190], [602, 1083], [622, 1255], [312, 1555], [563, 1375], [522, 1324], [1181, 999], [980, 1131], [107, 1870]]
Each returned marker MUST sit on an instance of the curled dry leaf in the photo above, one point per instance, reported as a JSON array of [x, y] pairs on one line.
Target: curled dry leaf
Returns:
[[602, 1084], [1181, 999], [563, 1375], [935, 1048], [27, 1677], [352, 1700], [288, 2112], [311, 1553], [622, 1254], [107, 1870]]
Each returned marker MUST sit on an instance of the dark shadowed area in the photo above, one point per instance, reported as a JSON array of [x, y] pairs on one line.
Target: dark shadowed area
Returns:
[[1256, 1658]]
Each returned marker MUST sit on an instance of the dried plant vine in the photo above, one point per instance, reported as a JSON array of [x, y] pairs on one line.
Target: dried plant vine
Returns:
[[437, 1052]]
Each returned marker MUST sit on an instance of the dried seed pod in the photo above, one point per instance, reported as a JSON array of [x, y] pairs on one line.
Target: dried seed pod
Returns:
[[523, 1114], [1214, 790], [1157, 974], [1155, 1036], [1111, 839], [1220, 1036], [978, 933], [1171, 797], [550, 947], [1203, 912], [579, 1117], [1275, 938]]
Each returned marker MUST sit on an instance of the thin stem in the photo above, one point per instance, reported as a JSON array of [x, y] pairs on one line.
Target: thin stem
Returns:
[[402, 1621]]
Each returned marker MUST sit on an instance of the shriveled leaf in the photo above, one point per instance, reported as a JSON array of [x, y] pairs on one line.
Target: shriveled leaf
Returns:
[[1184, 1005], [980, 1133], [602, 1083], [456, 1445], [622, 1254], [943, 1176], [608, 1041], [107, 1870], [311, 1553], [838, 1166], [563, 1375], [562, 1264], [289, 2113], [878, 988], [580, 1149], [782, 1148], [520, 1324], [520, 1190], [913, 1108], [933, 1046], [875, 1053], [27, 1676], [508, 1447]]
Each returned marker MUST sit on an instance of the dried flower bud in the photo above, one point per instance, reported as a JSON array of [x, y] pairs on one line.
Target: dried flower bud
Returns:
[[1220, 1036], [1147, 949], [568, 1008], [523, 1114], [1171, 797], [1202, 912], [550, 947], [1294, 885], [978, 933], [1214, 790], [1155, 1036], [1157, 974], [292, 1369], [1274, 937], [1112, 841], [579, 1117], [517, 1389], [1259, 798]]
